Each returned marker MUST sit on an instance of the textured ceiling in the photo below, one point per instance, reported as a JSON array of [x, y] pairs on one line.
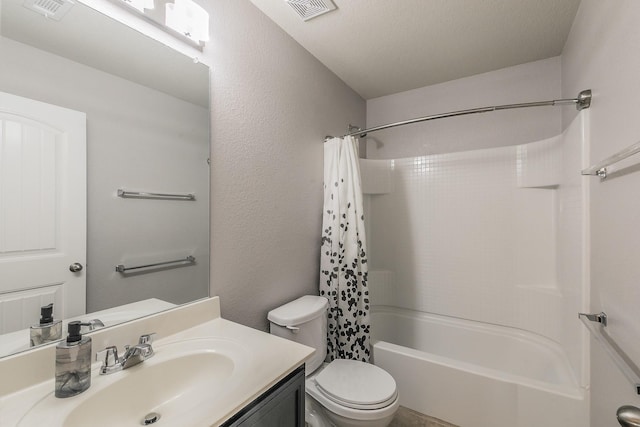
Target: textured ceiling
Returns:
[[379, 47]]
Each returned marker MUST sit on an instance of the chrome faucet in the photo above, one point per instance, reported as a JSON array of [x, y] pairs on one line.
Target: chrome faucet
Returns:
[[91, 325], [133, 355]]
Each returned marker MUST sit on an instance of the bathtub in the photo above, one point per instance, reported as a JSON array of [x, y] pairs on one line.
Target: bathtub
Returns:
[[475, 374]]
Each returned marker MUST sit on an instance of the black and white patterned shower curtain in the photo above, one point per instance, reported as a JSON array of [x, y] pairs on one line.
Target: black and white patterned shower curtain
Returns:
[[343, 262]]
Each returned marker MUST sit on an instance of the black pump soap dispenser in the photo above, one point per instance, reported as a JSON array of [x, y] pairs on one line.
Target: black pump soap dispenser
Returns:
[[47, 330], [73, 363]]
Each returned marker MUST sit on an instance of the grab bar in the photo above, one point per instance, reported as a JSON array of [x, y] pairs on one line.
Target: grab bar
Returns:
[[600, 169], [120, 268], [622, 361], [146, 195]]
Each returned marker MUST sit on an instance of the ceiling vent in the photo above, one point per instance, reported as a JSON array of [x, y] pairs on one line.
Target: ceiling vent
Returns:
[[54, 9], [309, 9]]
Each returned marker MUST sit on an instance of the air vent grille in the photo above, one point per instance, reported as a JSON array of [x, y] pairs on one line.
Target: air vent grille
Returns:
[[54, 9], [308, 9]]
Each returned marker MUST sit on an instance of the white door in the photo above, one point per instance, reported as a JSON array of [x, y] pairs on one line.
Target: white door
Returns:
[[42, 211]]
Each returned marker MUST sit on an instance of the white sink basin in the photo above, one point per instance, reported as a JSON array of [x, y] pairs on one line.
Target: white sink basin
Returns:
[[177, 383]]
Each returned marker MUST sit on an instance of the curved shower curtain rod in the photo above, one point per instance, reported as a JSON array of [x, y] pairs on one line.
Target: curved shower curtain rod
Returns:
[[582, 101]]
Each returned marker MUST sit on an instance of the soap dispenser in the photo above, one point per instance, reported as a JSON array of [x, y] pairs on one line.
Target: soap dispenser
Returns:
[[48, 329], [73, 363]]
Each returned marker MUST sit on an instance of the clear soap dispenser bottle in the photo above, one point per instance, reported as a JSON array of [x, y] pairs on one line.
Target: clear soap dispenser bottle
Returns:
[[73, 363], [47, 330]]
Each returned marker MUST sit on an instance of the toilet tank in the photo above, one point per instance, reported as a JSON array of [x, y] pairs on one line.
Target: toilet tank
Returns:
[[304, 321]]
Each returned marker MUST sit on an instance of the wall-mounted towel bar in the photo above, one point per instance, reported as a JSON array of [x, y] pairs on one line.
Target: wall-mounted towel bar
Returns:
[[600, 169], [596, 324], [178, 262], [146, 195]]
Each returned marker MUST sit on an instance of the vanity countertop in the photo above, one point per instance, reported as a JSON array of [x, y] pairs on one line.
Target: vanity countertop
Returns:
[[271, 359], [266, 359]]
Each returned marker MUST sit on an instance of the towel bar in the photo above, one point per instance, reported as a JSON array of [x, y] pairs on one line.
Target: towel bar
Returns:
[[146, 195], [600, 169], [622, 361], [120, 268]]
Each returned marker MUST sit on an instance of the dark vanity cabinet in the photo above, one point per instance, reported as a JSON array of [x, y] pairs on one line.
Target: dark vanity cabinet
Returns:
[[281, 406]]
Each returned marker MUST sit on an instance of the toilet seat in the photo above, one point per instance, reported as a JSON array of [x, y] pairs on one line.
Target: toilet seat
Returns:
[[354, 389], [356, 384]]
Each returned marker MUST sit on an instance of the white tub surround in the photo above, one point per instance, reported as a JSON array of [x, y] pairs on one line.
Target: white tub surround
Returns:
[[28, 377], [497, 236], [477, 374]]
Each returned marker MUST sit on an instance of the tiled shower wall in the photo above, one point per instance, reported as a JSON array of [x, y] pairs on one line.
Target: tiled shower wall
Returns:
[[492, 235]]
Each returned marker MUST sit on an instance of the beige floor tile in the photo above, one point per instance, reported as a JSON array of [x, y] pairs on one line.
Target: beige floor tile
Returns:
[[406, 417]]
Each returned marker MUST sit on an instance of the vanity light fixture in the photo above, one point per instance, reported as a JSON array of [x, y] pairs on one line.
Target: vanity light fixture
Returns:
[[141, 5], [188, 18], [183, 19]]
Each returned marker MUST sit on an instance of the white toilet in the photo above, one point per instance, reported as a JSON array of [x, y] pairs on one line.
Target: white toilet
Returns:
[[343, 393]]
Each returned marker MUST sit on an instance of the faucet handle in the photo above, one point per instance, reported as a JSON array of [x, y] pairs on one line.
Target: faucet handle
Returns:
[[144, 343], [110, 361], [146, 338], [109, 355]]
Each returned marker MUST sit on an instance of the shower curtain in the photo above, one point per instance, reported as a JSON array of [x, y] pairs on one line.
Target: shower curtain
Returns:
[[343, 262]]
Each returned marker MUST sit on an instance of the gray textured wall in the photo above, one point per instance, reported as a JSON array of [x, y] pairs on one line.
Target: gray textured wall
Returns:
[[272, 105]]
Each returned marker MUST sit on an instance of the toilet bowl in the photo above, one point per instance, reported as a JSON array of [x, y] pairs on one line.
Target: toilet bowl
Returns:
[[354, 393], [341, 393]]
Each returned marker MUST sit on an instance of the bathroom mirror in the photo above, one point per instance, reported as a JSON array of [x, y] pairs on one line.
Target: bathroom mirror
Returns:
[[143, 111]]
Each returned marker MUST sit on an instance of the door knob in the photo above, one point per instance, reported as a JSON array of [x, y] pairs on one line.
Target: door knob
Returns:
[[628, 416], [75, 267]]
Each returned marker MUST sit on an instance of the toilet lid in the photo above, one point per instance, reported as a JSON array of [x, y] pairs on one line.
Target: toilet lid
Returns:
[[356, 384]]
